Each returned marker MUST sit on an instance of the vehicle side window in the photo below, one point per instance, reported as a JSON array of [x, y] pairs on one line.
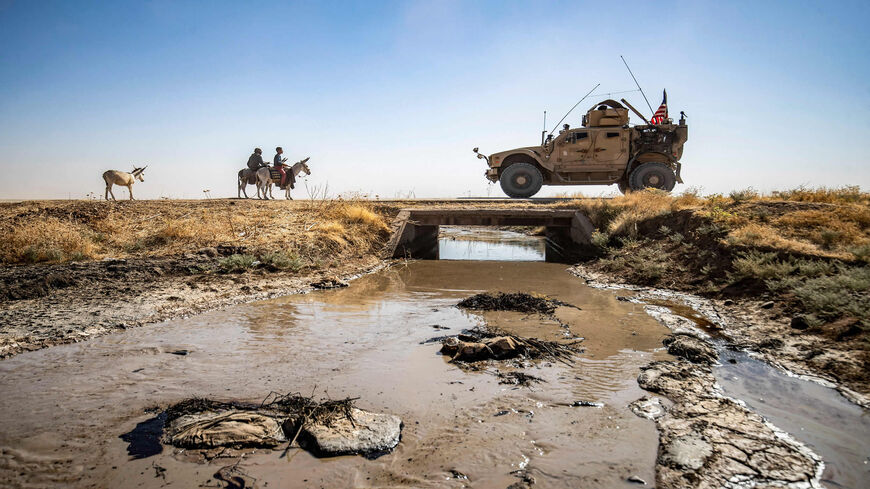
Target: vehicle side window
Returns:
[[613, 134], [579, 136]]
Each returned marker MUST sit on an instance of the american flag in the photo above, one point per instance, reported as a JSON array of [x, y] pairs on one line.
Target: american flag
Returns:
[[662, 112]]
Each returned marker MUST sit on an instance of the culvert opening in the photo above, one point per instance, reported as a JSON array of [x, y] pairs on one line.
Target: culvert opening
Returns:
[[482, 243]]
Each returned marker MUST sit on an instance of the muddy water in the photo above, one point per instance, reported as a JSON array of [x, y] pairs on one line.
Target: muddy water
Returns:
[[833, 427], [63, 408], [482, 243]]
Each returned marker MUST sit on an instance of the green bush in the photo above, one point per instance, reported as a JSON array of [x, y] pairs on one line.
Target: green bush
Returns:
[[861, 252], [842, 294], [37, 254], [829, 238], [282, 260], [600, 240], [647, 262], [237, 263]]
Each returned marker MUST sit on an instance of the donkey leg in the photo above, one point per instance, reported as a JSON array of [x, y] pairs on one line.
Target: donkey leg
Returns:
[[112, 192], [107, 192], [130, 189]]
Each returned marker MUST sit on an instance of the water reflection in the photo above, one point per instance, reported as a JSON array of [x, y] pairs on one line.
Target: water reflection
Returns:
[[488, 244], [833, 427]]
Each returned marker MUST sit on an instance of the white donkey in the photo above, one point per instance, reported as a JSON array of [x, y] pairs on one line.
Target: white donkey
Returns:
[[122, 178], [267, 176]]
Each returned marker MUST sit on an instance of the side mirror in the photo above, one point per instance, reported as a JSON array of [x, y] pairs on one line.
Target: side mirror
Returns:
[[475, 150], [479, 156]]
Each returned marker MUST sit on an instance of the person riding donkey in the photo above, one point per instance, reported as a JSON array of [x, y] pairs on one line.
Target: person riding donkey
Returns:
[[287, 178], [255, 161]]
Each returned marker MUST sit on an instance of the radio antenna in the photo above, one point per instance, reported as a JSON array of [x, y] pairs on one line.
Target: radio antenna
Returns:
[[575, 106], [638, 84], [544, 130]]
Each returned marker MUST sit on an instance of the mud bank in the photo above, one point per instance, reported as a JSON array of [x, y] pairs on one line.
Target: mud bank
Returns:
[[45, 305], [709, 437], [750, 325]]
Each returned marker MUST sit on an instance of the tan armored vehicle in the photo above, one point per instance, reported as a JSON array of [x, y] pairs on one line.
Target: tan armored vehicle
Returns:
[[602, 152]]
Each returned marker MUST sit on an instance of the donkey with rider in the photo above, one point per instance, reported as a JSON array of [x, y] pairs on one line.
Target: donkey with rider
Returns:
[[260, 174]]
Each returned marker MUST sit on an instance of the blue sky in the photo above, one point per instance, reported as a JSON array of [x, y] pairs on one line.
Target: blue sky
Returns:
[[388, 98]]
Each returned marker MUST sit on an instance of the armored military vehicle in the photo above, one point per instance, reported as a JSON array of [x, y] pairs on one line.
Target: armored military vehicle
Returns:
[[606, 150]]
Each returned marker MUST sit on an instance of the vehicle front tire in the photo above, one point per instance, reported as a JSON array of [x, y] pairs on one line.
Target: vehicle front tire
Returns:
[[521, 180], [652, 175]]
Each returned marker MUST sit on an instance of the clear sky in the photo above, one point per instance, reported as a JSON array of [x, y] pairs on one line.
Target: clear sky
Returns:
[[388, 98]]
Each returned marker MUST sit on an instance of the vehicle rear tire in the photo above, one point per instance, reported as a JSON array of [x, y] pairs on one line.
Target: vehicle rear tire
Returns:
[[652, 175], [521, 180]]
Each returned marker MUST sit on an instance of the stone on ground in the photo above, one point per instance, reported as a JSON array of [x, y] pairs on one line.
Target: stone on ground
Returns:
[[691, 348], [365, 434]]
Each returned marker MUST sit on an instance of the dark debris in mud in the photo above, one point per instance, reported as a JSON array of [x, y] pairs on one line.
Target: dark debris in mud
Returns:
[[492, 344], [518, 378], [306, 408], [516, 301]]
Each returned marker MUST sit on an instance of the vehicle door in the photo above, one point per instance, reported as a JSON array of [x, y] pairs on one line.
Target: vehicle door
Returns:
[[609, 147], [574, 149]]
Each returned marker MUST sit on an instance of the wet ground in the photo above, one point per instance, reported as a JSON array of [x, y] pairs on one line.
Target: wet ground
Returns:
[[64, 408], [834, 428]]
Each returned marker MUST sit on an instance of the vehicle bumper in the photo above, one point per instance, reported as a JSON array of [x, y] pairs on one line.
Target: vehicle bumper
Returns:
[[492, 174]]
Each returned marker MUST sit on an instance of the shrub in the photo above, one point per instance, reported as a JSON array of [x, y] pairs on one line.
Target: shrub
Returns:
[[861, 252], [647, 262], [760, 265], [282, 260], [237, 263], [841, 294], [600, 240], [743, 195], [828, 237]]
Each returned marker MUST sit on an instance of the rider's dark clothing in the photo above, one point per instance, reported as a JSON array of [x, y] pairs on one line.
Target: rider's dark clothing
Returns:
[[255, 162]]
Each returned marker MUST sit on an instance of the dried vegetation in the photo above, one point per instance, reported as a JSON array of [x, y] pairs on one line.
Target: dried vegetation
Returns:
[[806, 249], [276, 232]]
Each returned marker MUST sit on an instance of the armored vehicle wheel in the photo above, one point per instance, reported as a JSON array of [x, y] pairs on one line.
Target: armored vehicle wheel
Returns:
[[652, 175], [521, 180]]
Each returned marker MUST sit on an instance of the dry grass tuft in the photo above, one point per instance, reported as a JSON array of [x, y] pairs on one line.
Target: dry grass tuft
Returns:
[[621, 215], [47, 240], [360, 214], [767, 237], [850, 194]]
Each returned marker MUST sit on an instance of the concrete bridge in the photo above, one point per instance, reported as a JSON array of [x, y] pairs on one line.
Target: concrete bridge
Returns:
[[415, 231]]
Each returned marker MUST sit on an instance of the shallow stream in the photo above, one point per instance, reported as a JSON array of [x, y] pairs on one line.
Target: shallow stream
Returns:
[[63, 408]]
